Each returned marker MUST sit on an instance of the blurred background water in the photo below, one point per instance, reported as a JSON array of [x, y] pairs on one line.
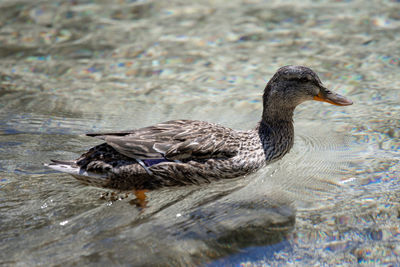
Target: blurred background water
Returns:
[[69, 67]]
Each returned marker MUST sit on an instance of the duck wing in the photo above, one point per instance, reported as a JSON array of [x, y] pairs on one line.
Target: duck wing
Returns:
[[175, 140]]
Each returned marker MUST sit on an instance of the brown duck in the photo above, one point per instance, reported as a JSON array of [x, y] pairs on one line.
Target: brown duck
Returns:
[[184, 152]]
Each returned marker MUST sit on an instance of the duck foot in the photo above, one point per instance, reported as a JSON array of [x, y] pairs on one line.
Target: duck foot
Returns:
[[140, 200]]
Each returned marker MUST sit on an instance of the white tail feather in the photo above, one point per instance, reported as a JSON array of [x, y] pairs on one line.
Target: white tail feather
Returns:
[[84, 176]]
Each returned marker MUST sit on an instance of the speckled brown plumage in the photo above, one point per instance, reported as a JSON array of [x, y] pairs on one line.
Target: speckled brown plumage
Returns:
[[183, 152]]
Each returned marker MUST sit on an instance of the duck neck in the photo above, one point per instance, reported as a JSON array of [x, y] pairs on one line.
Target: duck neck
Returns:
[[274, 113], [277, 106], [276, 136]]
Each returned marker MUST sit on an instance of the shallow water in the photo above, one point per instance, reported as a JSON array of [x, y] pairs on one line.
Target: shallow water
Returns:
[[70, 67]]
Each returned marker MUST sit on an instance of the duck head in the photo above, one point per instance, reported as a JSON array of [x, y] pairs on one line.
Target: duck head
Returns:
[[292, 85]]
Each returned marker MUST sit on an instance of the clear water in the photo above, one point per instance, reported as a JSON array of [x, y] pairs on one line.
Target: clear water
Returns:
[[69, 67]]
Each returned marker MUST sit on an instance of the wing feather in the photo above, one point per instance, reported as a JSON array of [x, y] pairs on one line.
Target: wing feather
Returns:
[[175, 140]]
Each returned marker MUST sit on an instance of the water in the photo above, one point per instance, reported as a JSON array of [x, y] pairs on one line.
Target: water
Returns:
[[70, 67]]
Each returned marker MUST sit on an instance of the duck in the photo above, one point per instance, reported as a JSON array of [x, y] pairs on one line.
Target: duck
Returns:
[[192, 152]]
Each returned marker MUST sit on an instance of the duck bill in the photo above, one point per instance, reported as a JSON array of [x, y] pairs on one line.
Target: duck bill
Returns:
[[332, 98]]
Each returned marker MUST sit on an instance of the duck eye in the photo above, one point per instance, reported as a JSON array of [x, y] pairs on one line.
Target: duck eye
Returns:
[[304, 80]]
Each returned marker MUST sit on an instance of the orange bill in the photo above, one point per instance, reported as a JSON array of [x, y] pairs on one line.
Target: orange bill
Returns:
[[332, 98]]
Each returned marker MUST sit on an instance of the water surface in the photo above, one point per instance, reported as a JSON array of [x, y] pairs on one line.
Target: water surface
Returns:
[[70, 67]]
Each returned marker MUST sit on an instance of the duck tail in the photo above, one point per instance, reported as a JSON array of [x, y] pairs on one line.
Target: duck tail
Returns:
[[66, 162], [62, 165], [86, 177]]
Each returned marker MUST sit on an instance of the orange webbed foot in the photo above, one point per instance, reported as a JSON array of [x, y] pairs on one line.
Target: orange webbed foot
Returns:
[[140, 199]]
